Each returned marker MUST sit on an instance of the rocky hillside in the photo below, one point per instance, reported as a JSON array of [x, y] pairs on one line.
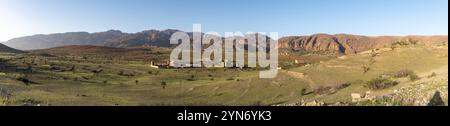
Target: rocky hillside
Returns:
[[351, 44], [4, 48]]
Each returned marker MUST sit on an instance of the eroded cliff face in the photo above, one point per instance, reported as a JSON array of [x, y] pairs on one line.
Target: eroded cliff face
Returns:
[[351, 44]]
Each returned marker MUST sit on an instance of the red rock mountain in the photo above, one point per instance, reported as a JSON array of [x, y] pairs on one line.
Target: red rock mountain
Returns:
[[351, 44]]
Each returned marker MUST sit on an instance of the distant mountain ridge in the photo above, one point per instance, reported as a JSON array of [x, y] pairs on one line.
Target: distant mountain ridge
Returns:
[[111, 38], [339, 43]]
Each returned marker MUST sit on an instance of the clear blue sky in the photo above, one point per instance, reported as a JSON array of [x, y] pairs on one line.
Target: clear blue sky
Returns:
[[288, 17]]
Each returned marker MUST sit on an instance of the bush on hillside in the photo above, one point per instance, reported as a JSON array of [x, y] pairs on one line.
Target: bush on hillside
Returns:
[[432, 75], [381, 83], [407, 73]]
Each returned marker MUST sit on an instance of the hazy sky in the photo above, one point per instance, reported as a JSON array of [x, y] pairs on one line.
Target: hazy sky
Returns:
[[288, 17]]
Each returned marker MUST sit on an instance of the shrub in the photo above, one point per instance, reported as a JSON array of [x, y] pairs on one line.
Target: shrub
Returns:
[[163, 84], [25, 80], [407, 73], [72, 68], [381, 83], [328, 89], [230, 78], [403, 73], [305, 91], [400, 43], [97, 71], [393, 47], [366, 69], [374, 55], [414, 77], [192, 78], [127, 73], [323, 90], [432, 75], [414, 42], [343, 85]]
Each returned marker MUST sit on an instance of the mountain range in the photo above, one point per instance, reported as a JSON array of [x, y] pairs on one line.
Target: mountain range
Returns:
[[339, 43], [111, 38]]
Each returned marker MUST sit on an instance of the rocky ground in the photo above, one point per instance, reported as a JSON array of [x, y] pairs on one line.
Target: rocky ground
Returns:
[[430, 90]]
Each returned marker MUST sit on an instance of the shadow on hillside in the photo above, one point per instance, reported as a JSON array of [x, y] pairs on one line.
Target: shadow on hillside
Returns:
[[436, 100]]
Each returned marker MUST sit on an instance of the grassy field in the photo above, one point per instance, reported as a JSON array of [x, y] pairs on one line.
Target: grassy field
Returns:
[[100, 78]]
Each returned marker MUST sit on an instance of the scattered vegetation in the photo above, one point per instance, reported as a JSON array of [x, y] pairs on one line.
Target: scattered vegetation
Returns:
[[407, 73], [381, 82], [328, 89], [405, 42], [403, 73]]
